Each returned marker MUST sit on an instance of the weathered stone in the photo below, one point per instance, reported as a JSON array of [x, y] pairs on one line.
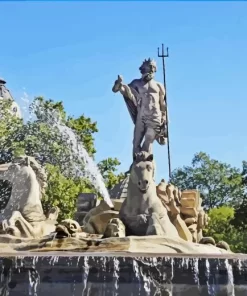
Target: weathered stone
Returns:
[[189, 221], [103, 206], [142, 206], [189, 212], [174, 215], [69, 226], [223, 245], [97, 223], [119, 191], [207, 240], [6, 95], [115, 228], [162, 192], [187, 202], [133, 244], [143, 98], [85, 202], [24, 215], [117, 204], [192, 195]]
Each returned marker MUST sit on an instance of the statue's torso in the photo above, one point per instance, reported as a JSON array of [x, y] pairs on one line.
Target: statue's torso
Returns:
[[149, 98]]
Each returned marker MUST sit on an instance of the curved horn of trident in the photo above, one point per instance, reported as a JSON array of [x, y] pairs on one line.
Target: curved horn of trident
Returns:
[[163, 56]]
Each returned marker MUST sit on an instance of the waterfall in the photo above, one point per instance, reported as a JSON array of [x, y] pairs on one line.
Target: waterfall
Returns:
[[76, 275]]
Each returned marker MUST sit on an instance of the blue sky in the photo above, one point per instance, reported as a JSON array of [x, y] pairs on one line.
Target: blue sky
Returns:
[[73, 51]]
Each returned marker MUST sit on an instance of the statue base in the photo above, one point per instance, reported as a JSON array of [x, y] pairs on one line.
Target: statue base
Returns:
[[149, 245]]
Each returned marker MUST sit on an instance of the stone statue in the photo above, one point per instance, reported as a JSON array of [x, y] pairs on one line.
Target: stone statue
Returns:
[[145, 101], [142, 211], [68, 228], [4, 92], [6, 95], [24, 215]]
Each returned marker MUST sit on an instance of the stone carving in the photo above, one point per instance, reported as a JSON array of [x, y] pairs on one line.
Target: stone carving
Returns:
[[115, 228], [95, 222], [6, 95], [85, 202], [68, 228], [223, 245], [142, 212], [23, 215], [185, 212], [145, 101], [193, 214], [169, 195], [120, 190], [150, 216]]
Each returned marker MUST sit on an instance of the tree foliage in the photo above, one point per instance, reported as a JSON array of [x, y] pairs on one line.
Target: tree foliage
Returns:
[[108, 168], [41, 139], [219, 183], [220, 227]]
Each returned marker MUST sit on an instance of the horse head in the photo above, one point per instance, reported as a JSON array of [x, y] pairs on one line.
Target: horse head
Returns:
[[11, 171], [142, 171], [21, 168]]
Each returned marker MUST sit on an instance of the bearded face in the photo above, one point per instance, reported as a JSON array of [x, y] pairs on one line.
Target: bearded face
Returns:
[[148, 69]]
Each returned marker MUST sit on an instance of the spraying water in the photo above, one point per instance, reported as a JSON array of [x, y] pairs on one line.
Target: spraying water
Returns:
[[90, 169]]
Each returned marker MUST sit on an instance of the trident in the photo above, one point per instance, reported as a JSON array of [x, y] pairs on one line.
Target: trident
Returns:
[[163, 56]]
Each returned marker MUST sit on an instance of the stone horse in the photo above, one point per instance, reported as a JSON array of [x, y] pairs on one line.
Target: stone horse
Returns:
[[24, 215], [142, 211]]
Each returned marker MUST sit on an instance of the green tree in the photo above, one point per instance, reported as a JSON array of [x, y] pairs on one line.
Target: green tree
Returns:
[[219, 183], [240, 219], [108, 168], [221, 229], [63, 191], [42, 139]]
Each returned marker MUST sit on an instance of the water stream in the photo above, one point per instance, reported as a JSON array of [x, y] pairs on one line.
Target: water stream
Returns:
[[121, 276], [90, 169]]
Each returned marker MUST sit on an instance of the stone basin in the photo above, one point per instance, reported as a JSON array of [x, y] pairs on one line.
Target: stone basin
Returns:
[[122, 273]]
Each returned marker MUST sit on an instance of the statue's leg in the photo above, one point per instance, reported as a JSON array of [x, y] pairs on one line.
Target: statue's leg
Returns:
[[154, 225], [150, 136], [23, 226], [139, 133]]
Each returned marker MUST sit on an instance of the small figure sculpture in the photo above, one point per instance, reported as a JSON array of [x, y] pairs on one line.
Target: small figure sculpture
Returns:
[[24, 215], [145, 101], [114, 228], [68, 228]]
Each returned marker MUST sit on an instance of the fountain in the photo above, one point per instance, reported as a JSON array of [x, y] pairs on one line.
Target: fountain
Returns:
[[147, 240]]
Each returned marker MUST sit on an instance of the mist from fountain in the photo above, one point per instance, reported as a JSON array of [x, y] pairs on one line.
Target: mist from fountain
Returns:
[[86, 167]]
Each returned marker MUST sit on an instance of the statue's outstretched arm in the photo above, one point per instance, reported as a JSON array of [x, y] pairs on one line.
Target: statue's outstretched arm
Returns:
[[125, 90]]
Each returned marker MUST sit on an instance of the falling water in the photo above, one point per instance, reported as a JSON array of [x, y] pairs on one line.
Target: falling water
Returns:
[[230, 279], [33, 282], [137, 275], [115, 276], [85, 275], [90, 170], [91, 275]]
